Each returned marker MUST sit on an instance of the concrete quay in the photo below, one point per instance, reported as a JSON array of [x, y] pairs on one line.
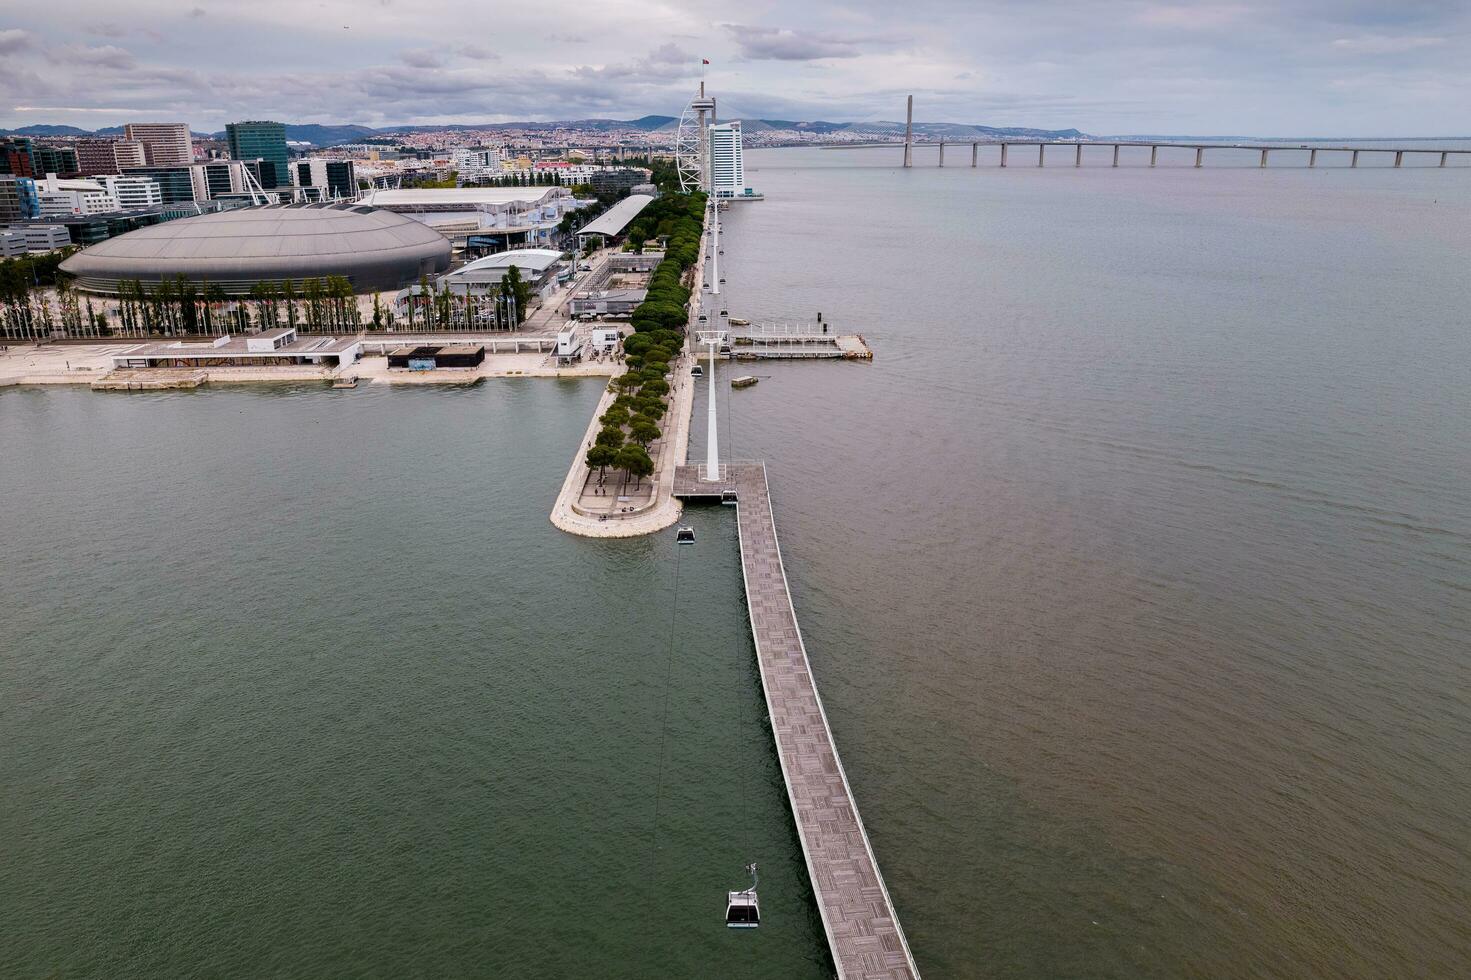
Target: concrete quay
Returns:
[[858, 916]]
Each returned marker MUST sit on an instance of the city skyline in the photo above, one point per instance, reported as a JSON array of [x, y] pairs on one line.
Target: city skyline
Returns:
[[1299, 68]]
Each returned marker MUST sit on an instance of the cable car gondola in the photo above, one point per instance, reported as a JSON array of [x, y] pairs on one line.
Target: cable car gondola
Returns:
[[696, 371], [685, 535], [729, 497], [742, 910]]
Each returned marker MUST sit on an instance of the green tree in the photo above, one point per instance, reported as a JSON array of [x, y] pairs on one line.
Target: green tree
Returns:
[[634, 461], [643, 430], [610, 436], [519, 291], [600, 457], [654, 408]]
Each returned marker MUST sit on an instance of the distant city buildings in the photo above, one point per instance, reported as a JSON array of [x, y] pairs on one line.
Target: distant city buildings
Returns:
[[17, 156], [13, 205], [474, 165], [196, 182], [335, 178], [103, 156], [164, 144], [177, 184], [263, 143]]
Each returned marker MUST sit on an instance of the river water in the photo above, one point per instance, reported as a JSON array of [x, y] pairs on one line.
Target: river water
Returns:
[[301, 682], [1136, 568], [1135, 572]]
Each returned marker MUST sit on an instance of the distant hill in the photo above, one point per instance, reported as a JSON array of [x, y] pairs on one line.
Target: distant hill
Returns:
[[45, 131], [331, 135]]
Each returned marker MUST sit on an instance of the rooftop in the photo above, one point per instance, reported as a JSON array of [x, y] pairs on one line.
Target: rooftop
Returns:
[[536, 260], [460, 197], [236, 347], [612, 221]]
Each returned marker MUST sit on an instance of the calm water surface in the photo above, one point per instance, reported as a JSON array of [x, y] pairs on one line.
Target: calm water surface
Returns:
[[298, 684], [1136, 572], [1136, 569]]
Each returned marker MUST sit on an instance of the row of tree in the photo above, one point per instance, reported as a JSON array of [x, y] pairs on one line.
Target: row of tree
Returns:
[[634, 419], [503, 307], [36, 304]]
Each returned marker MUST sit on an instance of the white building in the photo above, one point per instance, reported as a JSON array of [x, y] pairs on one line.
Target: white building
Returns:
[[20, 239], [537, 267], [516, 216], [473, 165], [59, 198], [132, 192], [164, 144], [276, 346], [727, 166]]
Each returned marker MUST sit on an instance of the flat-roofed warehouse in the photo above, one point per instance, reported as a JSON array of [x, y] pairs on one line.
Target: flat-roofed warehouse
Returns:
[[234, 250], [613, 222]]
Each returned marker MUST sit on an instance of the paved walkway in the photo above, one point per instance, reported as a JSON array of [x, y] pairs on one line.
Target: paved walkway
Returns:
[[862, 929]]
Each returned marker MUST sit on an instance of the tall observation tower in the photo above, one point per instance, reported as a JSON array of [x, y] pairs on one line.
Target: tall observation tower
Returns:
[[691, 145]]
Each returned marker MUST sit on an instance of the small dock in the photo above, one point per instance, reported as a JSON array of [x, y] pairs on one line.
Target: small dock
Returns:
[[794, 341], [857, 914]]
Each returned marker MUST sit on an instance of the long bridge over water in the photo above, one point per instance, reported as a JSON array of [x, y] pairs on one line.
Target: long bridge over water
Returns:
[[1266, 149], [1154, 146]]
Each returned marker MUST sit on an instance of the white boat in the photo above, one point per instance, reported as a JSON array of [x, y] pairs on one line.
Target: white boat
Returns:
[[744, 381]]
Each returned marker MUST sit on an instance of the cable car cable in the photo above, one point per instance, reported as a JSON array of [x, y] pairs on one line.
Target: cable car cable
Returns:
[[664, 725]]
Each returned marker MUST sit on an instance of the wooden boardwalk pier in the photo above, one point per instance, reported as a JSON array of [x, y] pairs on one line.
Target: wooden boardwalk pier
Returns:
[[862, 928]]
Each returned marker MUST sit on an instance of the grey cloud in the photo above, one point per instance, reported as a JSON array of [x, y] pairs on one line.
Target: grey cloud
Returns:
[[664, 63], [567, 38], [783, 44], [478, 52], [421, 58], [102, 56], [15, 40]]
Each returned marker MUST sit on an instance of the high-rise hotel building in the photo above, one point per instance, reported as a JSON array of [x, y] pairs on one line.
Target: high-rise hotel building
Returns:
[[727, 168]]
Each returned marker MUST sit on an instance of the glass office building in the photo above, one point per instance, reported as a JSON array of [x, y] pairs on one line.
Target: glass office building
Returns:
[[263, 141]]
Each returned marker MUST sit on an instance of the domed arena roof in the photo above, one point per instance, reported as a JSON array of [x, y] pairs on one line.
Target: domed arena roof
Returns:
[[236, 249]]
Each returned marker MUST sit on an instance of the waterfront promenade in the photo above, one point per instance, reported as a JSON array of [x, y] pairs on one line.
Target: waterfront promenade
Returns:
[[858, 916], [568, 512]]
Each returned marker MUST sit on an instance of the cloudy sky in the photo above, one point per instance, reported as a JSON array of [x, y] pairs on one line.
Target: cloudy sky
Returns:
[[1289, 67]]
